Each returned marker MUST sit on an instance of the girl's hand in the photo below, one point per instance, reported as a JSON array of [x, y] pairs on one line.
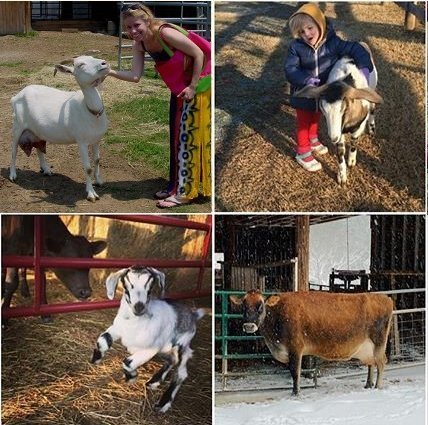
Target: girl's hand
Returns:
[[313, 81], [187, 94]]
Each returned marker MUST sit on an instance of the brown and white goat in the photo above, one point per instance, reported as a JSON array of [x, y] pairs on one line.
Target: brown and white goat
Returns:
[[347, 101]]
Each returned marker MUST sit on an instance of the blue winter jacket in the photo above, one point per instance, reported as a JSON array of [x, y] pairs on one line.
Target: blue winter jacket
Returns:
[[304, 62]]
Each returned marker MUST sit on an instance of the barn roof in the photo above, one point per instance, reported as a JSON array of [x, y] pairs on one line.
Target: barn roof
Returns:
[[280, 220]]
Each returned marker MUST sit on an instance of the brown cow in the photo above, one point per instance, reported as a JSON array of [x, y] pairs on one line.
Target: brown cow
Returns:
[[17, 239], [326, 325]]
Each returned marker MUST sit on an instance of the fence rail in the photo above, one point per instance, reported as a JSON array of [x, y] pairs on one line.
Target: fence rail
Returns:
[[40, 262]]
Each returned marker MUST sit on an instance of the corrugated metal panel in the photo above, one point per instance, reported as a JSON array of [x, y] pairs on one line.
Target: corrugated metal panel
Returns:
[[15, 16]]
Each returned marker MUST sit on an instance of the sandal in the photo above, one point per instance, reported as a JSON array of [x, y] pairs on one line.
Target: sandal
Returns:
[[171, 202], [162, 194], [308, 162]]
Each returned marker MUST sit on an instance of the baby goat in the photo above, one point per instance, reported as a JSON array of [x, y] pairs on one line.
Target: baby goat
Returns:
[[148, 327]]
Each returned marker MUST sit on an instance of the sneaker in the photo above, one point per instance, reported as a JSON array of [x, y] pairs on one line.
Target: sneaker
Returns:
[[308, 162], [318, 147]]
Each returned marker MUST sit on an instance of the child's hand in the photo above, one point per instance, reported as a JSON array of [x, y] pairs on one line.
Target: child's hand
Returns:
[[366, 73], [313, 81]]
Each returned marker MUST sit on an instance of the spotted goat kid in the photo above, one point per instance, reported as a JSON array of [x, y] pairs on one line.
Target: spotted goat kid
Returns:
[[148, 326]]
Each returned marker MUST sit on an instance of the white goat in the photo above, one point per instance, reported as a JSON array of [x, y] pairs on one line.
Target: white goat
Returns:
[[148, 327], [348, 103], [43, 114]]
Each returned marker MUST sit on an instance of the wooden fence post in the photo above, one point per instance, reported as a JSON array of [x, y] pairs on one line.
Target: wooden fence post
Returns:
[[409, 17]]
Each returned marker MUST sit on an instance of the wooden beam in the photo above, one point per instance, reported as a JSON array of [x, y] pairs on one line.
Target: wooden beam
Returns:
[[302, 249]]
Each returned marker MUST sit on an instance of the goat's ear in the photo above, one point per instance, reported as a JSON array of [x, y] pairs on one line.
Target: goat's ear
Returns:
[[112, 281], [63, 68], [310, 92], [366, 94], [160, 277]]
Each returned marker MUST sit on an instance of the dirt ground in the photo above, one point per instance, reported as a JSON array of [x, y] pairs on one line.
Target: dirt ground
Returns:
[[47, 377], [255, 166], [128, 187]]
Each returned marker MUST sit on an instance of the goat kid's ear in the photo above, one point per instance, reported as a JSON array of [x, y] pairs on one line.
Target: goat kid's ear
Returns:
[[310, 92], [160, 279], [112, 281], [366, 94], [63, 68]]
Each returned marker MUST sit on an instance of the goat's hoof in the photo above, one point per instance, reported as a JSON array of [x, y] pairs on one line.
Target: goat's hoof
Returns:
[[92, 197], [12, 178], [342, 180], [47, 319], [130, 375], [162, 408], [96, 356], [153, 386]]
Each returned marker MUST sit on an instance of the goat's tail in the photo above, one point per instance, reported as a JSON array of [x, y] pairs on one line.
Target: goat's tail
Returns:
[[201, 312]]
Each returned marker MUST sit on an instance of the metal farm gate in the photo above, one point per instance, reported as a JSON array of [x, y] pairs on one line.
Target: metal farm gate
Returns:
[[192, 15], [39, 263]]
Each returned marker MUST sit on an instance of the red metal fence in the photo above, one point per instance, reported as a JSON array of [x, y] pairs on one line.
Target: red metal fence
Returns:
[[39, 262]]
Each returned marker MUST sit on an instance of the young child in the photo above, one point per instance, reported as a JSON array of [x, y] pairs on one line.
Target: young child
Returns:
[[310, 58]]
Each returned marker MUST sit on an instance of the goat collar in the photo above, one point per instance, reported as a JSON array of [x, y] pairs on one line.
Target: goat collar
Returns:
[[96, 113]]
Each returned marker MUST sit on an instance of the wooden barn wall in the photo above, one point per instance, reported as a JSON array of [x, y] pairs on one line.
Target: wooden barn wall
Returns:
[[255, 257], [398, 243], [15, 17], [398, 257]]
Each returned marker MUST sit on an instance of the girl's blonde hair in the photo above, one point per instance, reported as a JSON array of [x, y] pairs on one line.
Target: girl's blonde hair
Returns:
[[139, 10], [298, 21]]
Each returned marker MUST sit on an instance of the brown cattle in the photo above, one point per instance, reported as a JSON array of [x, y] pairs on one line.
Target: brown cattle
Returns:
[[18, 239], [326, 325]]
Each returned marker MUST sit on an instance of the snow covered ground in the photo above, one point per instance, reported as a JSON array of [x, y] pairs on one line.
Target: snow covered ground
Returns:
[[334, 402]]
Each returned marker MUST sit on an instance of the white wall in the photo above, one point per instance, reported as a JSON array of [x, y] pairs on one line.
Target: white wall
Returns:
[[329, 247]]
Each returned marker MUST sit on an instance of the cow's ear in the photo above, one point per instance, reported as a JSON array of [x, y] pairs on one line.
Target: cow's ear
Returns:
[[236, 301], [272, 300], [98, 246], [112, 281]]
